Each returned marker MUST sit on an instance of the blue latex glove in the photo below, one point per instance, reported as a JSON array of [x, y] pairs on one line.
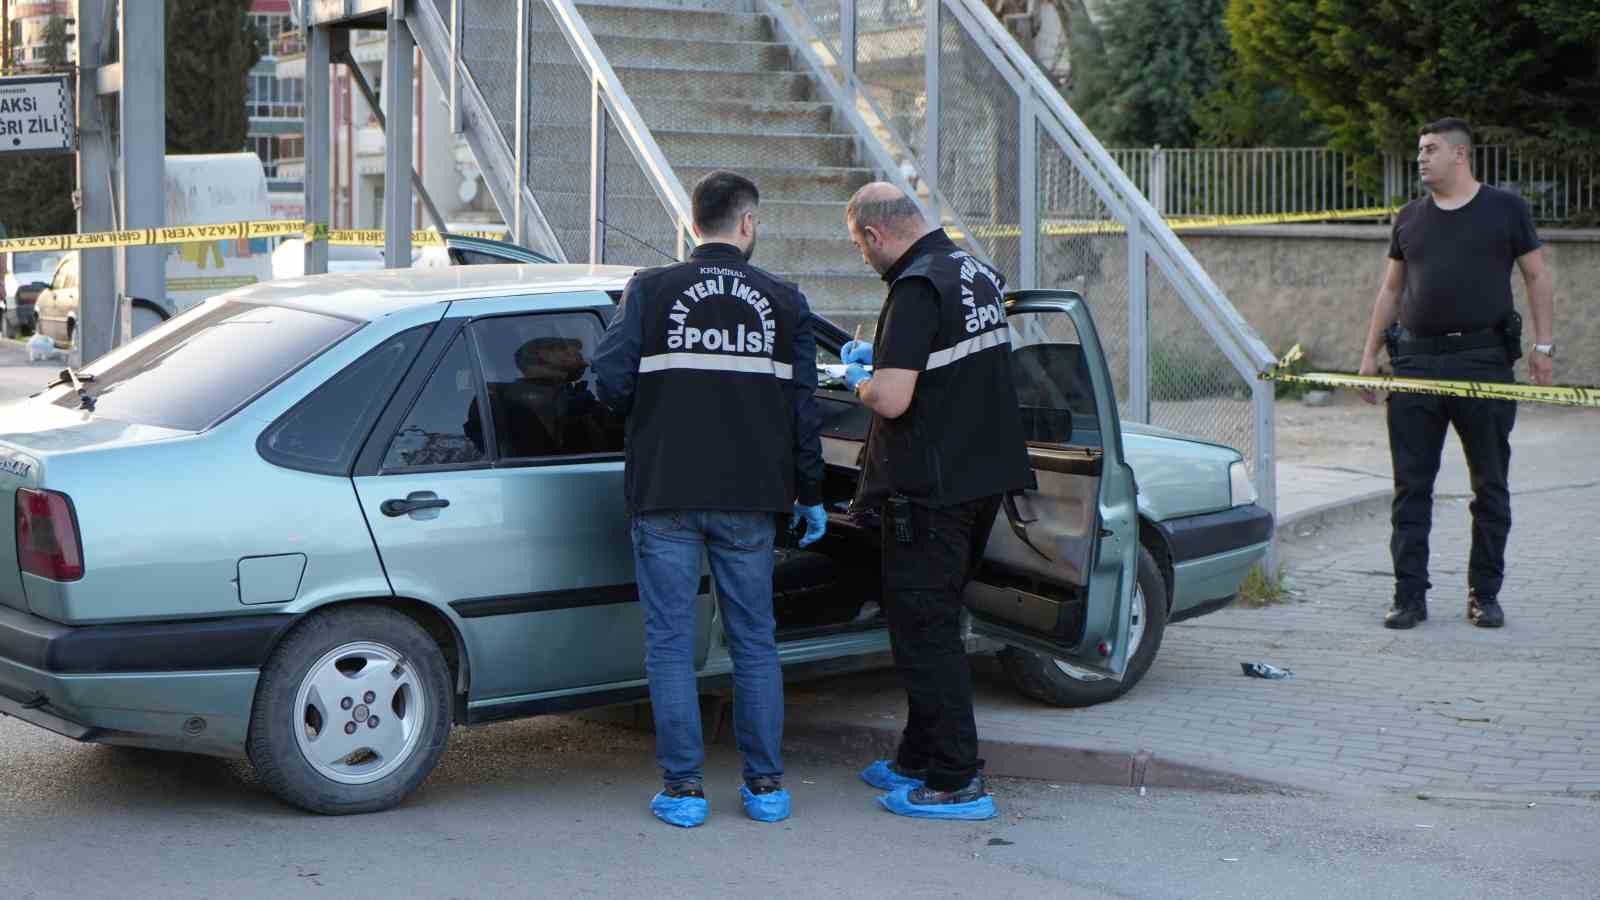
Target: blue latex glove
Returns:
[[854, 374], [856, 352], [816, 522]]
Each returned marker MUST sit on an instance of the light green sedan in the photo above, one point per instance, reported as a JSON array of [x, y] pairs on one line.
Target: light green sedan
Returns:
[[319, 521]]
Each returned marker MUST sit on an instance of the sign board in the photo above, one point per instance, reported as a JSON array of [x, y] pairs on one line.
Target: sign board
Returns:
[[36, 114]]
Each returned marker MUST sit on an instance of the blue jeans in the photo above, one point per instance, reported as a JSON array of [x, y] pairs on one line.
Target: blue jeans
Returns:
[[667, 549]]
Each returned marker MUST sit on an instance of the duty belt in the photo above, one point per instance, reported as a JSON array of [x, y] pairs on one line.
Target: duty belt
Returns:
[[1454, 342]]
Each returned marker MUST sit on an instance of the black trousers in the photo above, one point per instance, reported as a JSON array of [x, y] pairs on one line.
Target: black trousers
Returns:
[[922, 583], [1417, 427]]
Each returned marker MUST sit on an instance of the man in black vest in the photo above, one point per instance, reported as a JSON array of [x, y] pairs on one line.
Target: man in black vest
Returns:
[[945, 445], [1451, 257], [713, 361]]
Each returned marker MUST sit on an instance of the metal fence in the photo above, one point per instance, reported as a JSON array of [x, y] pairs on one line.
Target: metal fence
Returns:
[[950, 106], [1182, 182]]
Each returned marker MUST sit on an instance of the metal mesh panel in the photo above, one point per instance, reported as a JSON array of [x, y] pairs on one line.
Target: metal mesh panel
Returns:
[[1193, 387], [489, 50], [824, 16], [891, 63], [557, 142], [978, 155], [638, 229], [1082, 248], [444, 11]]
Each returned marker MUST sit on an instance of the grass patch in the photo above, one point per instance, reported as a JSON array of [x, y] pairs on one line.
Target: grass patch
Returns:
[[1258, 590]]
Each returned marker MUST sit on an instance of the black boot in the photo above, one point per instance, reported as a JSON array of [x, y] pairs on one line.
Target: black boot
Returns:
[[1406, 613], [1484, 612]]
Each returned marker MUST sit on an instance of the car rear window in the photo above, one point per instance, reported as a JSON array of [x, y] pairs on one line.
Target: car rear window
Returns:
[[195, 370]]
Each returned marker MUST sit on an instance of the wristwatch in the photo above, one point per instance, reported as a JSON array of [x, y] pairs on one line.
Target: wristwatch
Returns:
[[1547, 349]]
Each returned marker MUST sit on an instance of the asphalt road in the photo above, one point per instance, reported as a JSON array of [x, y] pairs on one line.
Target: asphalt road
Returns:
[[557, 807]]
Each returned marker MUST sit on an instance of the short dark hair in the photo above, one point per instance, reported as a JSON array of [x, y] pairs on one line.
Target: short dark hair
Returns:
[[720, 198], [1450, 127]]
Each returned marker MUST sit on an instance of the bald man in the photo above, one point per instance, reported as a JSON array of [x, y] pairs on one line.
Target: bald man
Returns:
[[945, 445]]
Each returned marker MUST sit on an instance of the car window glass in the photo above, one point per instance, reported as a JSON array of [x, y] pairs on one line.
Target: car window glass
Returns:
[[439, 430], [541, 389], [1052, 377], [323, 432], [480, 258], [202, 366]]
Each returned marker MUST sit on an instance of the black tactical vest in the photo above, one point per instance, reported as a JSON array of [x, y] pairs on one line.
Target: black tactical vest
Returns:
[[961, 438], [713, 419]]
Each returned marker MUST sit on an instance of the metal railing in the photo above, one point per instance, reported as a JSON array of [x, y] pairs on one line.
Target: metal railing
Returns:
[[960, 112], [538, 85], [1187, 181]]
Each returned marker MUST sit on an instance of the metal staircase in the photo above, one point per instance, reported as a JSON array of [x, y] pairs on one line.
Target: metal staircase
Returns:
[[589, 120]]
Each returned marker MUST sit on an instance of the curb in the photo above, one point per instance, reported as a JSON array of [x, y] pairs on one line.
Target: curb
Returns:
[[853, 744], [1311, 522]]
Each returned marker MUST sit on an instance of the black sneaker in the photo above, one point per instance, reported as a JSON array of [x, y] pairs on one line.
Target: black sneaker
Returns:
[[1485, 612], [927, 796], [1406, 613], [763, 784]]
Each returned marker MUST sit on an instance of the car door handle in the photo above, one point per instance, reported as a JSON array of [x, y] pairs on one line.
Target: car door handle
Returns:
[[413, 503]]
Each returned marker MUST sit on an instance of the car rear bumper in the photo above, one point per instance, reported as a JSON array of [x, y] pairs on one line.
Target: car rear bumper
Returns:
[[169, 685]]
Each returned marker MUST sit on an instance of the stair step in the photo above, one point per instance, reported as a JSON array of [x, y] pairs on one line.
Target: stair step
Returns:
[[637, 50], [835, 183], [665, 22], [748, 116], [780, 219], [730, 151], [722, 6], [843, 298]]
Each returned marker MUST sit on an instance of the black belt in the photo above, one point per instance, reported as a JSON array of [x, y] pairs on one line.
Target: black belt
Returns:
[[1451, 343]]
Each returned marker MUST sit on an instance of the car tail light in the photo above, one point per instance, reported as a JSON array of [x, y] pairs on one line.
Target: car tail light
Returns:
[[47, 536]]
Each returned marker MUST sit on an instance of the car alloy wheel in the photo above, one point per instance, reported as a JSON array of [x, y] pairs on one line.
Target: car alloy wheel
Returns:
[[362, 711]]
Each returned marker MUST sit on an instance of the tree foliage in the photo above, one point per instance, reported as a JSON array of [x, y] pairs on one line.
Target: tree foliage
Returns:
[[1524, 72], [211, 47], [1164, 72]]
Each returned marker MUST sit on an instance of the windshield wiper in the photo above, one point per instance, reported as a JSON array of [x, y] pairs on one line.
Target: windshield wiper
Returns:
[[78, 381], [67, 375]]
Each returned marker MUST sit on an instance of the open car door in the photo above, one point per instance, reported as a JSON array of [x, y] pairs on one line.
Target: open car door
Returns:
[[1060, 568]]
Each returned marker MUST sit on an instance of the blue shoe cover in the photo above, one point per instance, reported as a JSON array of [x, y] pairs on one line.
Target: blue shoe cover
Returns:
[[897, 802], [770, 807], [685, 812], [880, 776]]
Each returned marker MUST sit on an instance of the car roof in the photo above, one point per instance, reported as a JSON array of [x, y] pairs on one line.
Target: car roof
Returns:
[[372, 295]]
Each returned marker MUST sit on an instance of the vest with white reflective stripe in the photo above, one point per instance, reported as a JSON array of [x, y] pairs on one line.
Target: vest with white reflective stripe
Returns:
[[962, 438], [713, 420]]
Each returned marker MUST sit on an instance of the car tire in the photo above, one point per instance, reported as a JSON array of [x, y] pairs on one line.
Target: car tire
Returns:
[[395, 739], [1060, 684]]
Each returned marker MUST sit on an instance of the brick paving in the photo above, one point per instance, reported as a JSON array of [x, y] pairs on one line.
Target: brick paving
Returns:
[[1444, 706]]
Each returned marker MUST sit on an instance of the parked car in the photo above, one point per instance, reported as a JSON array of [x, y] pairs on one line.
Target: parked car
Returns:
[[289, 258], [26, 274], [56, 309], [308, 522]]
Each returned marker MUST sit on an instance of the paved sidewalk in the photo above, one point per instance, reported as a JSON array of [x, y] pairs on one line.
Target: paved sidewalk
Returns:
[[1446, 706]]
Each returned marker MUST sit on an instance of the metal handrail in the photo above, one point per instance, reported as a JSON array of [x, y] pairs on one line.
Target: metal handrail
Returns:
[[972, 13], [630, 125]]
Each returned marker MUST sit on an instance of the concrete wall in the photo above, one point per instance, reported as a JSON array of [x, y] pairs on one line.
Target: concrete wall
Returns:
[[1314, 285]]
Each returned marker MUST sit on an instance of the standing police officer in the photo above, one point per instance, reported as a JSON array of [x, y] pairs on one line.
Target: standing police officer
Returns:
[[714, 362], [945, 445], [1451, 255]]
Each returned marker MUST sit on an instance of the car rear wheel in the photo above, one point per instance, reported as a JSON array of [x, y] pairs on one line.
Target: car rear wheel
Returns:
[[1060, 683], [352, 711]]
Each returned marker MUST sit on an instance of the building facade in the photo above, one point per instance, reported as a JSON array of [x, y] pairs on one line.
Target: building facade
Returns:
[[23, 24]]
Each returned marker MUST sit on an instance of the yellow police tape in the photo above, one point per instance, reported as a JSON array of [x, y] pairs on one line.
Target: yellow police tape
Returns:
[[1561, 395], [195, 234], [1064, 228]]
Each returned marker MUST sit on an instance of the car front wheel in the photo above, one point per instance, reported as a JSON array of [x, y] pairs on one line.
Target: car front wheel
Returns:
[[1060, 683], [352, 711]]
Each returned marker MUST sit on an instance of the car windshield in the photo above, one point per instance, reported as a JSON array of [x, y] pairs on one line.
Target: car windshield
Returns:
[[35, 262], [200, 367]]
